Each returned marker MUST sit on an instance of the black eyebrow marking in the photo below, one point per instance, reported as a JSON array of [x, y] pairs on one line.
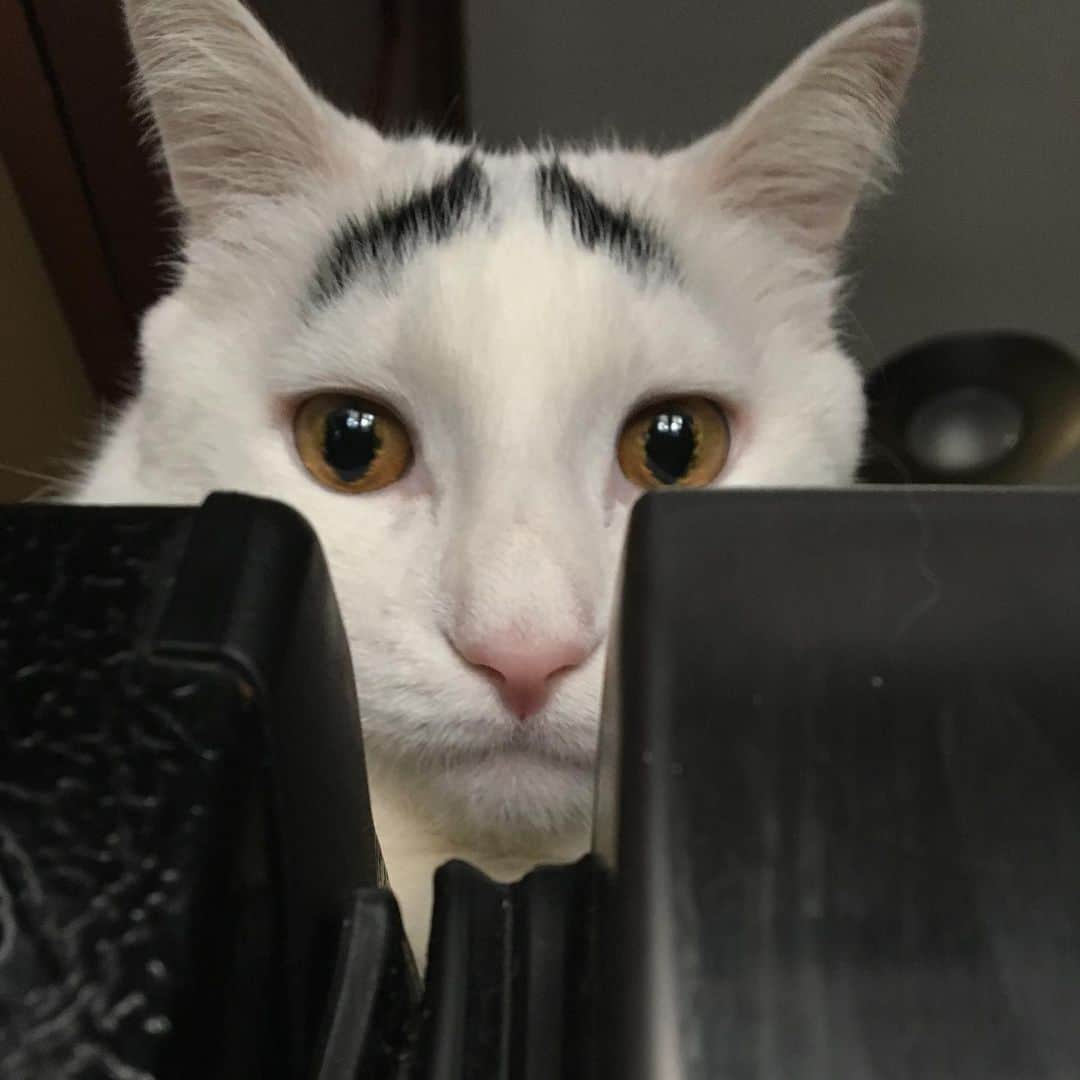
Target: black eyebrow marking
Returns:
[[596, 225], [385, 239]]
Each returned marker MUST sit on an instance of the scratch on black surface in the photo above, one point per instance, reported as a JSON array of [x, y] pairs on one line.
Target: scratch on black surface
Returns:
[[927, 604]]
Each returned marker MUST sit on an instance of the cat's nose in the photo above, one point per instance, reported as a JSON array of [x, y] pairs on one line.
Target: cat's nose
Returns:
[[522, 674]]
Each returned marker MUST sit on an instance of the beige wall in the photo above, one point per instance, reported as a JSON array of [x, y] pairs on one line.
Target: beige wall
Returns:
[[45, 402]]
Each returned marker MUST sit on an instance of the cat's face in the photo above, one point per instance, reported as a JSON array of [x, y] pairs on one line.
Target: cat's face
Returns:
[[502, 318]]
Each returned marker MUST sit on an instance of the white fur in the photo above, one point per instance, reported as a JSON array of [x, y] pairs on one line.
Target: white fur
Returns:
[[514, 356]]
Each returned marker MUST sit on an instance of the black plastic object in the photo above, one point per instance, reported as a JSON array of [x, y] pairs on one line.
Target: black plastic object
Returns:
[[505, 995], [839, 790], [369, 1026], [837, 829], [186, 846], [985, 408]]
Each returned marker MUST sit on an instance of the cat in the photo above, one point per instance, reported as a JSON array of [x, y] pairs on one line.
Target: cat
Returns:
[[464, 366]]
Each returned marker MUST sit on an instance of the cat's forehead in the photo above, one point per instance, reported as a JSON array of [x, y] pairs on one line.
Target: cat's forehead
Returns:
[[494, 278]]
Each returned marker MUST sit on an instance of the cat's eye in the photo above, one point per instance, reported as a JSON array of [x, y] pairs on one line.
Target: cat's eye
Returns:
[[351, 444], [679, 442]]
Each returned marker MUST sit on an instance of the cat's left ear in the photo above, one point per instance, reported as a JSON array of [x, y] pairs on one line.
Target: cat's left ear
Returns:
[[801, 154]]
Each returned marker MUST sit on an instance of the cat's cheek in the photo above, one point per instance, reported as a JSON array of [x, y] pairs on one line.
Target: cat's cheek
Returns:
[[417, 483], [740, 425], [619, 497]]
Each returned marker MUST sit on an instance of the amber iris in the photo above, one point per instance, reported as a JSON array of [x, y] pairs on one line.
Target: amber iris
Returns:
[[351, 444], [678, 442]]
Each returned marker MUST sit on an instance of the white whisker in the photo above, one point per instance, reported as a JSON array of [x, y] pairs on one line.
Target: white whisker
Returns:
[[28, 474]]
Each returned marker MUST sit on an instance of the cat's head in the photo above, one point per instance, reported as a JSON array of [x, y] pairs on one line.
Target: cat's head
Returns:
[[465, 366]]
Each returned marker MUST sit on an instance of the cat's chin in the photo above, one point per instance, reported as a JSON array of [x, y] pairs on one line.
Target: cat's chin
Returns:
[[503, 799]]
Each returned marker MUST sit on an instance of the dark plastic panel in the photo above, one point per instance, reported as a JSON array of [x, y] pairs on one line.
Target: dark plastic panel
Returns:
[[839, 800]]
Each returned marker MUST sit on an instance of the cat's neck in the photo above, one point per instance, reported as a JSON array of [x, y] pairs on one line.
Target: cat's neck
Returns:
[[414, 848]]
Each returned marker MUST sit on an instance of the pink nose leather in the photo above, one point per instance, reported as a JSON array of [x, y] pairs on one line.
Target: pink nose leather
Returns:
[[522, 674]]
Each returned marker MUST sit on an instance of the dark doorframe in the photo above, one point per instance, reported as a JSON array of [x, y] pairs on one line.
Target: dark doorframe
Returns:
[[98, 207]]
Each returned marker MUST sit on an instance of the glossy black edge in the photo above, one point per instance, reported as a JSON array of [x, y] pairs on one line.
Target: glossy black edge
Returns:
[[369, 1026], [244, 558], [628, 830], [253, 591]]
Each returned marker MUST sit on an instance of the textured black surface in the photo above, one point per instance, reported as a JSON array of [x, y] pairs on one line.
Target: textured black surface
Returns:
[[110, 768], [184, 821], [840, 789]]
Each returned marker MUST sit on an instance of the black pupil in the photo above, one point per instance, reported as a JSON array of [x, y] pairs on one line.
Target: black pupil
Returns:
[[670, 446], [351, 442]]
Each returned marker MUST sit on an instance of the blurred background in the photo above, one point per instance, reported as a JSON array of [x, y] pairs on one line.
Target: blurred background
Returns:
[[981, 233]]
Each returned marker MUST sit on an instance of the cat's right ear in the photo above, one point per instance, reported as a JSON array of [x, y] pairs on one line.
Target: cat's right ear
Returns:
[[234, 116]]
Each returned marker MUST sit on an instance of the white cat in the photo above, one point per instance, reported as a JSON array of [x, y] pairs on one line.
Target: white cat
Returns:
[[463, 367]]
